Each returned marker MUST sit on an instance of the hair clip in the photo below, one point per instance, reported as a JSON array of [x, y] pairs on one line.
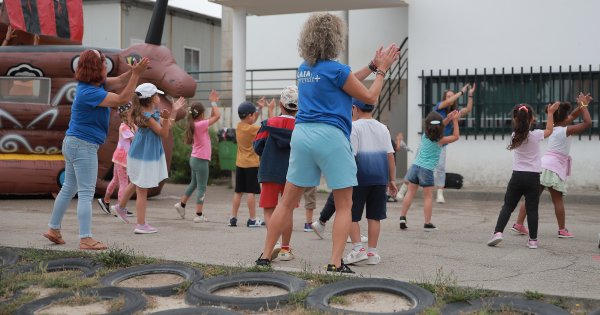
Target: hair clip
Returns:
[[124, 108], [523, 107], [435, 122]]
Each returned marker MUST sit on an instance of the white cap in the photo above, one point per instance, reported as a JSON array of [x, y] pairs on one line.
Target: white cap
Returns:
[[147, 90], [289, 97]]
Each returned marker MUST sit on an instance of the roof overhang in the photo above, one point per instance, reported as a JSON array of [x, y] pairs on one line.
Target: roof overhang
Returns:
[[271, 7]]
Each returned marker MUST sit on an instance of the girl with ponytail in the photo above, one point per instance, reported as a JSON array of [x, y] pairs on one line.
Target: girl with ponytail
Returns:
[[525, 179], [196, 134], [556, 162]]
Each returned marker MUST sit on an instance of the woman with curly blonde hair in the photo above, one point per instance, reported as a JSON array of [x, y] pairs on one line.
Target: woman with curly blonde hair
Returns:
[[321, 139]]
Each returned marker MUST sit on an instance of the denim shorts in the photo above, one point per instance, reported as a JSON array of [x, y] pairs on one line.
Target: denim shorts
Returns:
[[321, 148], [420, 176]]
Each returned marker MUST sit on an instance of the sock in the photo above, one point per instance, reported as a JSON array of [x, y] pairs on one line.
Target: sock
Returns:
[[252, 219], [357, 246], [106, 203], [372, 250], [182, 204], [199, 214], [285, 247], [322, 222]]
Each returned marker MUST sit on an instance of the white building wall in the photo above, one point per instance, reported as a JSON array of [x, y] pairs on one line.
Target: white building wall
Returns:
[[272, 41], [96, 31], [477, 34]]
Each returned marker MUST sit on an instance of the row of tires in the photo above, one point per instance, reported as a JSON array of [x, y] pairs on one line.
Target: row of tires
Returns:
[[202, 291]]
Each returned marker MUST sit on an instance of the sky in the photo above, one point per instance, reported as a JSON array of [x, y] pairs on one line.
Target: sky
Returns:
[[200, 6]]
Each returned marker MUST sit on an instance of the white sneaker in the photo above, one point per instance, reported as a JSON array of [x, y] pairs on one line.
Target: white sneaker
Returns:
[[285, 255], [200, 218], [356, 256], [363, 239], [180, 210], [496, 238], [373, 259], [440, 196], [402, 191], [318, 228], [276, 250]]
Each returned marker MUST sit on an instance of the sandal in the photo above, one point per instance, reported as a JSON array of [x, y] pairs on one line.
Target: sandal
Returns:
[[54, 236], [92, 244]]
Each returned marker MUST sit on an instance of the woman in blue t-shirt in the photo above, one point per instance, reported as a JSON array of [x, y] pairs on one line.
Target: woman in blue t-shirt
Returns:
[[320, 141], [90, 113]]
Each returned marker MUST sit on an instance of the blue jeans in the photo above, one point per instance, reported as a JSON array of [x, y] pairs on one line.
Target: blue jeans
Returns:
[[81, 171]]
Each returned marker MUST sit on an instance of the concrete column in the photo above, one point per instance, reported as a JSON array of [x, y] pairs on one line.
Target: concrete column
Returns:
[[238, 86]]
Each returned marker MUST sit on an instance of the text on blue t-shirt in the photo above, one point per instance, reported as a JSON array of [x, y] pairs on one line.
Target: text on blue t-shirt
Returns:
[[320, 95]]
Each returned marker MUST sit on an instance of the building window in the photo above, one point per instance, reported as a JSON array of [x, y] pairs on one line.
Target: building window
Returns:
[[192, 61], [498, 91], [25, 90]]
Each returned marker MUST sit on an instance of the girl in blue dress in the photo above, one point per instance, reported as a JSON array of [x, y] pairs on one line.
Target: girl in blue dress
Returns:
[[146, 163]]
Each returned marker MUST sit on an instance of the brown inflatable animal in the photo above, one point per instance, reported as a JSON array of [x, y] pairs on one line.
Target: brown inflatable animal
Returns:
[[37, 87]]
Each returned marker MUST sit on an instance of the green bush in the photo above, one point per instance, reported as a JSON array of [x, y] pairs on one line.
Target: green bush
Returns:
[[180, 159]]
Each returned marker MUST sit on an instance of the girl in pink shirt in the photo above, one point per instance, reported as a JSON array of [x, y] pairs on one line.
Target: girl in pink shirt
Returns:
[[119, 159], [525, 179], [197, 135], [556, 162]]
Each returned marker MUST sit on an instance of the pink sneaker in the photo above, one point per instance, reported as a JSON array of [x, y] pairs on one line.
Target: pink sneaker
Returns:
[[564, 233], [144, 229], [532, 244], [120, 213], [496, 238], [520, 229]]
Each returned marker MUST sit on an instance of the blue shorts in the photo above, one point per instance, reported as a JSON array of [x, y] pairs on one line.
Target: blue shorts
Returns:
[[321, 148], [420, 176]]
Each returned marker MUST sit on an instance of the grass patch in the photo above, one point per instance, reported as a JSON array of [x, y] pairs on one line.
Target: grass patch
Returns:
[[117, 257], [78, 299], [533, 295], [116, 304], [338, 300], [37, 255], [446, 289], [183, 287]]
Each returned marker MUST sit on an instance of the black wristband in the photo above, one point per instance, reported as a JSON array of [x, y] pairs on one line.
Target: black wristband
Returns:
[[372, 66]]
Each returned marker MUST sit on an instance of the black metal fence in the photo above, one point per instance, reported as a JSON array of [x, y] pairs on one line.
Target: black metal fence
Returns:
[[398, 71], [498, 90]]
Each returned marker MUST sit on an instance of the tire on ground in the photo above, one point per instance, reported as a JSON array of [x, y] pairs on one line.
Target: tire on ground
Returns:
[[187, 273], [503, 303], [202, 293], [319, 298], [8, 257], [203, 310], [87, 266], [134, 302]]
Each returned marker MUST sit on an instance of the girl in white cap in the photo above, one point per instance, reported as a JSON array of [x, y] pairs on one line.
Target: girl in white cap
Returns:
[[146, 163]]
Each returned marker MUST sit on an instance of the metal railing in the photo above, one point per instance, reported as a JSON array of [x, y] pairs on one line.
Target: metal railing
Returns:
[[499, 90], [259, 82], [398, 71]]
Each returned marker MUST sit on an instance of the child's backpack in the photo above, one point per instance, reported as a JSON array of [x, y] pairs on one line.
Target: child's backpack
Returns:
[[454, 180]]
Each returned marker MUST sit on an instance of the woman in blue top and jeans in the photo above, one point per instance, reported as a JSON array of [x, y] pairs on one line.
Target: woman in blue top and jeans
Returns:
[[321, 139], [90, 115]]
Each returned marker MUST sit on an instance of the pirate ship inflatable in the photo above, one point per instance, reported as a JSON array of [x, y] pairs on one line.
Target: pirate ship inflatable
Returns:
[[41, 46]]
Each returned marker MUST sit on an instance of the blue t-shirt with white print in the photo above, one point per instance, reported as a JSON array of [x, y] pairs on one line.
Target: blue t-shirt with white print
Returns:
[[320, 95]]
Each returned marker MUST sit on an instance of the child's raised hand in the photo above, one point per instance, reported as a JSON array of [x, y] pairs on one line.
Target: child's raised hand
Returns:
[[178, 104], [165, 114], [584, 100], [464, 88], [472, 89], [271, 104], [261, 102], [554, 107], [213, 96], [141, 66], [454, 115]]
